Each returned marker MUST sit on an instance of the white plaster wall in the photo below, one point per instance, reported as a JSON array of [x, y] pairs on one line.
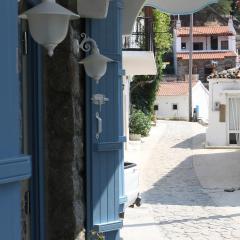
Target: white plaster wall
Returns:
[[232, 43], [201, 99], [175, 46], [178, 44], [126, 106], [165, 110], [217, 131], [206, 43]]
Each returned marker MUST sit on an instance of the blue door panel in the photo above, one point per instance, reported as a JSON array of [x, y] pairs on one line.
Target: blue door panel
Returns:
[[9, 126], [14, 167], [10, 202], [105, 156]]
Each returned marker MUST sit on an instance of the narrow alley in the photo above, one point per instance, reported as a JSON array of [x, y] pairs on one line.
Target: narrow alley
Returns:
[[182, 186]]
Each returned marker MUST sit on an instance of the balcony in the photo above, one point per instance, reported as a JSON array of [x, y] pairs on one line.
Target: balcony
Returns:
[[142, 36]]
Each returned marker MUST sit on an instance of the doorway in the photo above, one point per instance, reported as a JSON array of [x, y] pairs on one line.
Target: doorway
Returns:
[[214, 43], [234, 121]]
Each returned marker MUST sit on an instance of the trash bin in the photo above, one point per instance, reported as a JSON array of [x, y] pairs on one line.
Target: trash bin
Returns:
[[131, 174]]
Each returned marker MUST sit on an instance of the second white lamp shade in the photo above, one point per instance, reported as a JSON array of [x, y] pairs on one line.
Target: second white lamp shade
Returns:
[[96, 65]]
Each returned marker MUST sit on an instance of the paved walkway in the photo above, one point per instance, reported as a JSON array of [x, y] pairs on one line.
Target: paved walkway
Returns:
[[175, 204]]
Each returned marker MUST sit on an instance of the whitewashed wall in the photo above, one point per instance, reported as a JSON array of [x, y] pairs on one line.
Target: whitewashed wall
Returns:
[[206, 43], [165, 110], [201, 99], [217, 131], [126, 106]]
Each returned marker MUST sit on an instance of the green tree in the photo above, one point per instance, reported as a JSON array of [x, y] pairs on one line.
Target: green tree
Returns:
[[144, 88]]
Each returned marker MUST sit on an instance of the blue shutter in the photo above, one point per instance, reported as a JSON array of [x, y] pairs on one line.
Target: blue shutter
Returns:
[[13, 167], [105, 156]]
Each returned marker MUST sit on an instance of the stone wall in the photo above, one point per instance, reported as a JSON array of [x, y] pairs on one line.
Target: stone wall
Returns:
[[64, 139], [199, 67]]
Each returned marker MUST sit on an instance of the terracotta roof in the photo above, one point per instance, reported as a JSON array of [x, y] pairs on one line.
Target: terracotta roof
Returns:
[[174, 88], [205, 30], [207, 55]]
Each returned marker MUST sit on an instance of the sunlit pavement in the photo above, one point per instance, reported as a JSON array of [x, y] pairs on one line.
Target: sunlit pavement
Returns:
[[182, 185]]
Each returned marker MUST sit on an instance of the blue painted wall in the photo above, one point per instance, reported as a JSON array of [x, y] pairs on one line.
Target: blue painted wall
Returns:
[[13, 166], [105, 156]]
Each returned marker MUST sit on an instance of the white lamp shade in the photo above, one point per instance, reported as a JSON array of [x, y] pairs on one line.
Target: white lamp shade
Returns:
[[48, 23], [96, 65], [48, 30], [133, 7], [93, 8]]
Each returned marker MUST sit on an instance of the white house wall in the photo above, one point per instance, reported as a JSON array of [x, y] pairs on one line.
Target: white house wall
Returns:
[[206, 43], [201, 99], [232, 43], [217, 131], [165, 110], [126, 106]]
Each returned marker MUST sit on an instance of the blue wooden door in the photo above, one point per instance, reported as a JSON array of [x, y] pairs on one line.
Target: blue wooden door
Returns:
[[105, 155], [14, 167]]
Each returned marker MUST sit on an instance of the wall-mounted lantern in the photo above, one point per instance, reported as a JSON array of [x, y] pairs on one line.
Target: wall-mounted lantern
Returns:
[[95, 64], [48, 23], [93, 8]]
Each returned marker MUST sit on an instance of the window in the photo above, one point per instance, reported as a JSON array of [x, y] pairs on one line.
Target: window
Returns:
[[233, 138], [234, 120], [214, 43], [183, 45], [198, 46], [207, 72], [175, 106], [224, 45]]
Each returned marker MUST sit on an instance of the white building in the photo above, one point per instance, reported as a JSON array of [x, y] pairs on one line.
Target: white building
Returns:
[[210, 43], [224, 109], [172, 100]]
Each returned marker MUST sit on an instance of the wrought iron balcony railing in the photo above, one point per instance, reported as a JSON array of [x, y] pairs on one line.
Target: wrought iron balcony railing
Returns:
[[142, 38]]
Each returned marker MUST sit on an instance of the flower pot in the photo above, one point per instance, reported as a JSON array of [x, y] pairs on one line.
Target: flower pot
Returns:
[[135, 137]]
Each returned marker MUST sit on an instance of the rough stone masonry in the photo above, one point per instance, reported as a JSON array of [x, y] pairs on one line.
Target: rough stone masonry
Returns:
[[64, 138]]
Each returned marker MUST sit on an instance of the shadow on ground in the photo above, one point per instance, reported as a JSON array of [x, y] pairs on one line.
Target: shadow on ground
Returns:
[[181, 186], [198, 140], [184, 220]]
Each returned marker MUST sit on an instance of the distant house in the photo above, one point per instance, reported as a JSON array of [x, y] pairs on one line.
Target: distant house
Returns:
[[172, 100], [224, 109], [213, 43]]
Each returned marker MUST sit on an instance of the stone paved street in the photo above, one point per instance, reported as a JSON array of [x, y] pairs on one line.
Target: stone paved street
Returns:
[[182, 188]]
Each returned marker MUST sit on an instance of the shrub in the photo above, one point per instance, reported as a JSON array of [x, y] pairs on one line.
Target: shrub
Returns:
[[140, 123]]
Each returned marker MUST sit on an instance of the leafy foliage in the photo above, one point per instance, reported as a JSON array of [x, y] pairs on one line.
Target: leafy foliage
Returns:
[[214, 12], [140, 123], [223, 6], [235, 9], [144, 88]]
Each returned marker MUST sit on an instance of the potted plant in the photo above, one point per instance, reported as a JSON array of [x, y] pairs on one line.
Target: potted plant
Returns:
[[139, 125]]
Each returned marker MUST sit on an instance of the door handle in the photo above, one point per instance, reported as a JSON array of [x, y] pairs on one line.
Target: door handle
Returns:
[[99, 125]]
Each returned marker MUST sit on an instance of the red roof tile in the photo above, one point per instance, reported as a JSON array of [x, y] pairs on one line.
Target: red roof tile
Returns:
[[205, 30], [206, 55], [174, 88]]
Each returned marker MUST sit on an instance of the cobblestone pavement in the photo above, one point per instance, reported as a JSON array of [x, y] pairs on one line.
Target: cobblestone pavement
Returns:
[[175, 205]]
